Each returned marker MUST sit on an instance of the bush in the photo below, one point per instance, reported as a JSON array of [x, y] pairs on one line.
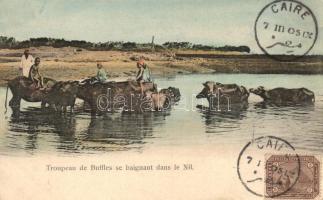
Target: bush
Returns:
[[10, 42]]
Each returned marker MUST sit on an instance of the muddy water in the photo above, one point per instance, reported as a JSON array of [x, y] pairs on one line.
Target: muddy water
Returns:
[[35, 131]]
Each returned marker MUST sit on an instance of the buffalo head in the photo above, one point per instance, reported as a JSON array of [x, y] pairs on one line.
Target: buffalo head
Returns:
[[258, 91], [173, 93], [208, 89]]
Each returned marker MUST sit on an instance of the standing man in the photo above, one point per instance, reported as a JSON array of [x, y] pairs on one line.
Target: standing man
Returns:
[[27, 61]]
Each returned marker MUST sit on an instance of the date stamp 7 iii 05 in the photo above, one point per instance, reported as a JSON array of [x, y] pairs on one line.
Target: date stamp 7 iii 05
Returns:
[[286, 29]]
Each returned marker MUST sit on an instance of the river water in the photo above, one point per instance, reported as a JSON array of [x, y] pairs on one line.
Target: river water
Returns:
[[35, 131]]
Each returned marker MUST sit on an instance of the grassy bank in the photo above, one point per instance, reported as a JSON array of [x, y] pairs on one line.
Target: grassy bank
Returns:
[[258, 64], [73, 64]]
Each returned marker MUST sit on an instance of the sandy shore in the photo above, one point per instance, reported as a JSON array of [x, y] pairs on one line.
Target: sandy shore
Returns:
[[72, 64]]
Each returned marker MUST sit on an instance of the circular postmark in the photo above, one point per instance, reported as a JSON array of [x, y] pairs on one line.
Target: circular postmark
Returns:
[[264, 159], [286, 30]]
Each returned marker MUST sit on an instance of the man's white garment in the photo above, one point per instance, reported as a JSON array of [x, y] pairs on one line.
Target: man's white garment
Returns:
[[25, 64]]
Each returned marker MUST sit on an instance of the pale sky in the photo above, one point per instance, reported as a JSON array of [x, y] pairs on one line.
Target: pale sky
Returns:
[[214, 22]]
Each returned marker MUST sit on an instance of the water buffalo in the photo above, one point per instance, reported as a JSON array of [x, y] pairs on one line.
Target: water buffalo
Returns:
[[63, 94], [284, 96], [157, 101], [163, 99], [224, 96], [112, 96], [23, 88], [173, 93]]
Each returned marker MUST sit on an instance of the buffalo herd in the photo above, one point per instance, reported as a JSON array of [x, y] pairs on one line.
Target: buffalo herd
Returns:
[[100, 97], [127, 95], [232, 96]]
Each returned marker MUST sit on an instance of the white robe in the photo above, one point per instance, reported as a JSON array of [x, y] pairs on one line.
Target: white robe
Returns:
[[25, 64]]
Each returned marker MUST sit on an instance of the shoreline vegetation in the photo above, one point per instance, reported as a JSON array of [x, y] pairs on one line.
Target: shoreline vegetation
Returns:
[[78, 62]]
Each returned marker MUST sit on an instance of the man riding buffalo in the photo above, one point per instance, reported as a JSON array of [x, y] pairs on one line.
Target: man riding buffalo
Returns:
[[101, 75], [143, 74], [34, 74]]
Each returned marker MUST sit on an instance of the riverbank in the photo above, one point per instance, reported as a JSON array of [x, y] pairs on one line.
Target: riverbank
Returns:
[[73, 64]]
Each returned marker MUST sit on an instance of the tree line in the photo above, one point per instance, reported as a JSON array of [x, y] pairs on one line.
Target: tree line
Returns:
[[12, 43]]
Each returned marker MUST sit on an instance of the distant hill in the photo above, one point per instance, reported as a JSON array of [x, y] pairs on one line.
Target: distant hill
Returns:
[[12, 43]]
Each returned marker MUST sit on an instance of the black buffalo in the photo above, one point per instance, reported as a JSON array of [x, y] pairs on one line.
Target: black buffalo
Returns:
[[113, 96], [224, 96], [62, 95], [284, 96], [23, 88], [172, 93]]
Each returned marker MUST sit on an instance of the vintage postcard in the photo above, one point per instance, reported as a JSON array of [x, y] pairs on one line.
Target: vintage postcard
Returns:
[[161, 99]]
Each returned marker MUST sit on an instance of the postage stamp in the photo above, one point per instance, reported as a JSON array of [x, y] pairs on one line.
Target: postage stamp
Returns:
[[251, 163], [283, 181], [286, 30]]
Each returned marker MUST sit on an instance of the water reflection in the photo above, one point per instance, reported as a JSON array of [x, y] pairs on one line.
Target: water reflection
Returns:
[[221, 122], [33, 128], [122, 131], [265, 105], [291, 110], [32, 124], [34, 131]]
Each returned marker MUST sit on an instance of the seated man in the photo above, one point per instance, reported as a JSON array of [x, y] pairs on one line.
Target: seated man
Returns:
[[144, 74], [101, 75], [34, 74]]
